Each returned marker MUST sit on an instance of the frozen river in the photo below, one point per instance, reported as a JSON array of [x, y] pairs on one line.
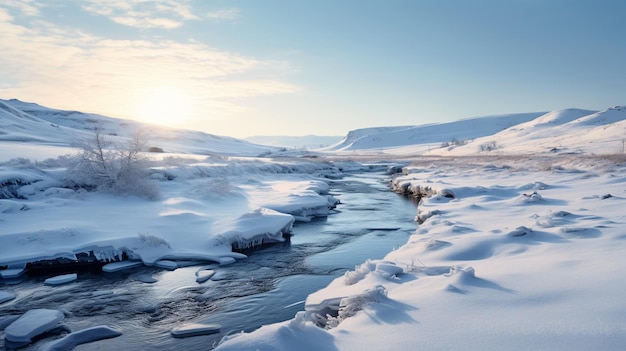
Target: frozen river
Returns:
[[269, 286]]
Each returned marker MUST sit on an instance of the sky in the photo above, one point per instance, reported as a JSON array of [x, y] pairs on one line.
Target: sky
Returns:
[[324, 67]]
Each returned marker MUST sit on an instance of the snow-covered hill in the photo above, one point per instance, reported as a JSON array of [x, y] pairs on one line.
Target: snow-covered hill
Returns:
[[570, 130], [29, 122], [566, 131], [389, 137]]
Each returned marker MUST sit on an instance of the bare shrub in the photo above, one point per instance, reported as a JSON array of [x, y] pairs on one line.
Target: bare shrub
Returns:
[[489, 146], [119, 168]]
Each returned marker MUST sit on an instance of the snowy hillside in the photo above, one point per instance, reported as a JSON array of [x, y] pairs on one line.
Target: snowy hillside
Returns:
[[389, 137], [29, 122], [564, 131]]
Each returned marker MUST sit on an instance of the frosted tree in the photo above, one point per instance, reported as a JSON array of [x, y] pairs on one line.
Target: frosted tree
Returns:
[[116, 167]]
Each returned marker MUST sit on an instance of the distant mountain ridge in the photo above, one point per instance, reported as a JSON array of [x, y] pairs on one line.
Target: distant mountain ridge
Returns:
[[29, 122]]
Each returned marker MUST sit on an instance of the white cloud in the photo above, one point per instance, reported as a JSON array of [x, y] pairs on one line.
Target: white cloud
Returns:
[[24, 7], [223, 14], [71, 69], [143, 13]]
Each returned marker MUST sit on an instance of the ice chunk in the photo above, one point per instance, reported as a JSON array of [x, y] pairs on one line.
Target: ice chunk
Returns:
[[11, 273], [61, 279], [204, 274], [7, 320], [6, 296], [118, 266], [146, 278], [226, 260], [166, 264], [195, 329], [84, 336], [33, 323]]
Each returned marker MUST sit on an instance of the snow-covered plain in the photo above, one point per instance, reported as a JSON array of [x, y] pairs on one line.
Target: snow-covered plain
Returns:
[[520, 243]]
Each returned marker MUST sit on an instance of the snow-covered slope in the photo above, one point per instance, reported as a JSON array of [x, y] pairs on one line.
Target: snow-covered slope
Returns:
[[29, 122], [572, 130], [563, 131], [388, 137]]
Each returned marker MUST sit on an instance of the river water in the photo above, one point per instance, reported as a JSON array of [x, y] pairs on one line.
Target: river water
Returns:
[[267, 287]]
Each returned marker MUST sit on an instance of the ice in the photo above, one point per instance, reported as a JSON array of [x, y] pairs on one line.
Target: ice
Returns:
[[204, 274], [122, 265], [61, 279], [33, 323], [166, 264], [195, 329], [6, 296], [84, 336], [12, 273]]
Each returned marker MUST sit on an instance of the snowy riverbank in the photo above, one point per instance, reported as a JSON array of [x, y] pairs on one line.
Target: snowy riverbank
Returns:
[[206, 209], [525, 255]]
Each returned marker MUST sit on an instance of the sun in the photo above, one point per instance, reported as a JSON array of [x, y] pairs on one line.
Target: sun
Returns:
[[164, 105]]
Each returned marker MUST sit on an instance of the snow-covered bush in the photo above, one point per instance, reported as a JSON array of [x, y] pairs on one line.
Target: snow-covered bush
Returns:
[[489, 146], [349, 306], [119, 168], [148, 240]]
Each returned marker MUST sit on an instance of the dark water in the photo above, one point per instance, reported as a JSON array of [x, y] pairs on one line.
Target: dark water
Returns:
[[269, 286]]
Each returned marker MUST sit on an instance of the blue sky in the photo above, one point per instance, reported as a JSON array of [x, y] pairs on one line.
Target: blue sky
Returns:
[[285, 67]]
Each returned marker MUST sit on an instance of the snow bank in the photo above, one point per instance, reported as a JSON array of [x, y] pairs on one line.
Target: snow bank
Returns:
[[207, 209], [518, 259]]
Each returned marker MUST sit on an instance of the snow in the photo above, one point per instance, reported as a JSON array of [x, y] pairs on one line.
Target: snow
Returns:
[[61, 279], [519, 245], [519, 258], [84, 336], [32, 323]]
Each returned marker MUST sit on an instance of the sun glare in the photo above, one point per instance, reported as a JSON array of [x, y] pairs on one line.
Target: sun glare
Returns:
[[164, 105]]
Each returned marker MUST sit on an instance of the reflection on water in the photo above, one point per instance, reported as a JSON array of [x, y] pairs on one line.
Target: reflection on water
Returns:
[[267, 287]]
